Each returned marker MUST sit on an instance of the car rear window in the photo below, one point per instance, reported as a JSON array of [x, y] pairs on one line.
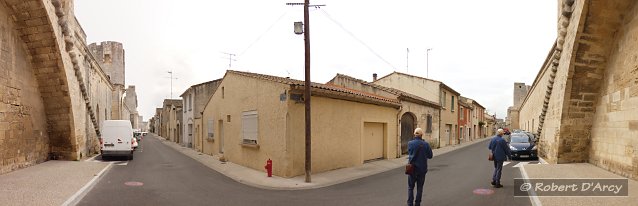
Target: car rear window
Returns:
[[520, 139]]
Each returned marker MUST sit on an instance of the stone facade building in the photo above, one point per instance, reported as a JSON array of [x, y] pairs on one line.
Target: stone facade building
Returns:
[[520, 92], [111, 55], [434, 91], [512, 119], [490, 124], [170, 120], [583, 103], [130, 99], [157, 122], [54, 94], [194, 99]]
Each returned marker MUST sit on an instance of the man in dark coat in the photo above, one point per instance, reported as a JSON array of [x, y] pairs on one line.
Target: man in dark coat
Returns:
[[501, 152], [419, 151]]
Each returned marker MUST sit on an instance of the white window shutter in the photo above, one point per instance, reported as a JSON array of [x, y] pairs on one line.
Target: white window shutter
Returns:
[[211, 130], [250, 127]]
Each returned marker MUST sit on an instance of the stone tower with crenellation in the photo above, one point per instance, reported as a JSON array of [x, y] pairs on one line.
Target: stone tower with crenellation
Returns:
[[110, 55], [520, 92]]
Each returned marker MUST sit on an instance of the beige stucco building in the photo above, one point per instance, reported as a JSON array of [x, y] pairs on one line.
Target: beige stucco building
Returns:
[[253, 117], [414, 111], [477, 119], [584, 100], [431, 90]]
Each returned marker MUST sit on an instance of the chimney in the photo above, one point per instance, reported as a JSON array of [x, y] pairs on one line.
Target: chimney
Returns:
[[374, 77]]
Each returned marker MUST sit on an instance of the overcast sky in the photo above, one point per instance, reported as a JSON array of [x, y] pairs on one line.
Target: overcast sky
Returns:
[[479, 48]]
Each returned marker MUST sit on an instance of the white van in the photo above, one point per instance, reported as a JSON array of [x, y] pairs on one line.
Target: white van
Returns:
[[117, 139]]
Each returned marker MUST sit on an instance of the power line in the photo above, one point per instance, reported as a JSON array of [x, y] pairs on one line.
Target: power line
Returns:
[[264, 33], [355, 37], [375, 53]]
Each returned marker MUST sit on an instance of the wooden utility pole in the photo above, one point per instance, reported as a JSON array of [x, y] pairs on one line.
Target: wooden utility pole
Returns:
[[306, 33]]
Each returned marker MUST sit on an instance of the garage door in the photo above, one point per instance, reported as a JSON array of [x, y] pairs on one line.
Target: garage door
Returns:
[[373, 139]]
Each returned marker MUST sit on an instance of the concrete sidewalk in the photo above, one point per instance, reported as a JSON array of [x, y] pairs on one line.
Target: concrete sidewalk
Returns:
[[50, 183], [259, 179], [577, 170]]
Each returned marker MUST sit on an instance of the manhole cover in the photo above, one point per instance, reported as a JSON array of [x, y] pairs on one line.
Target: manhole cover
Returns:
[[134, 184], [483, 191]]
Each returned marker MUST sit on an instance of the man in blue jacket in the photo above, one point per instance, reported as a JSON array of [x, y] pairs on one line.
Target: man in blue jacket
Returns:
[[419, 152], [501, 152]]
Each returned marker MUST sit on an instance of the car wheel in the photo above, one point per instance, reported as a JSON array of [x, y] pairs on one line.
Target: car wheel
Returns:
[[130, 157]]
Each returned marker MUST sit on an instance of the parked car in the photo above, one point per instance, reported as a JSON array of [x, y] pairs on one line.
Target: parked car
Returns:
[[522, 146], [532, 136], [117, 139]]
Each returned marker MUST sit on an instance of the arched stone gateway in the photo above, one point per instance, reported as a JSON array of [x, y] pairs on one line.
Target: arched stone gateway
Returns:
[[408, 124]]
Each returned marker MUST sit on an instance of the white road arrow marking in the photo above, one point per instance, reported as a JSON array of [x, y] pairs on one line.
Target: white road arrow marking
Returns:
[[506, 163], [520, 164], [123, 163]]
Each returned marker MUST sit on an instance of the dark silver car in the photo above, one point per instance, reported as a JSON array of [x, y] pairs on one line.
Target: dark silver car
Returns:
[[523, 146]]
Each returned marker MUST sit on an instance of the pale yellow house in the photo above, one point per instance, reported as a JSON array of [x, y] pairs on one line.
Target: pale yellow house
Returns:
[[431, 90], [414, 112], [253, 117]]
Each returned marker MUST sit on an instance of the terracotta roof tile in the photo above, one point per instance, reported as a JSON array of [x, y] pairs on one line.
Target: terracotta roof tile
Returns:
[[329, 87], [390, 90]]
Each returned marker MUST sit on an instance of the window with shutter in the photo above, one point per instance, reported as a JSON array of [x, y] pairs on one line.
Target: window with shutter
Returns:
[[211, 131], [249, 127], [429, 124]]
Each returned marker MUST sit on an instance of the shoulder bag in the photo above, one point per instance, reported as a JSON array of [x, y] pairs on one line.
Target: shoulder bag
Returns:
[[409, 168]]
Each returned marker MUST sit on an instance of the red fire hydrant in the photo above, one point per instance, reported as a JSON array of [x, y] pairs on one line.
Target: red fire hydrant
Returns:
[[269, 167]]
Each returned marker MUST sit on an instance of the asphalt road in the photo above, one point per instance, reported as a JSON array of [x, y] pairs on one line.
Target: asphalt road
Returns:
[[171, 178]]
